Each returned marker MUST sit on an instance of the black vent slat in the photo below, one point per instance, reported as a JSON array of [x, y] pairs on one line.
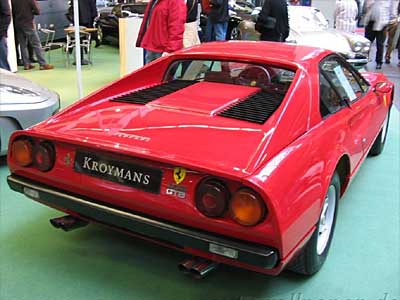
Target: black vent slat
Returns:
[[252, 110], [256, 108], [147, 95]]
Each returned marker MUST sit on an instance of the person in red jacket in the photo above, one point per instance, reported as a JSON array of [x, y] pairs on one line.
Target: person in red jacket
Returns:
[[162, 28]]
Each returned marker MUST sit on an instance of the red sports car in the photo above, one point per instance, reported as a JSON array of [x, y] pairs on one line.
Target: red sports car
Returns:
[[233, 152]]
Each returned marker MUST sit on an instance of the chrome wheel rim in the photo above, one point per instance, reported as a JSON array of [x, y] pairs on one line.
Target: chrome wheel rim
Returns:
[[100, 34], [326, 220], [234, 33], [384, 129]]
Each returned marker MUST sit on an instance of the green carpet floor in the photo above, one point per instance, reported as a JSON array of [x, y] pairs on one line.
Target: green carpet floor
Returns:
[[38, 262]]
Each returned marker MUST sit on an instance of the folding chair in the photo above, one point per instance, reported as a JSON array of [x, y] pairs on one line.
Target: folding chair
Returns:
[[49, 42], [85, 44]]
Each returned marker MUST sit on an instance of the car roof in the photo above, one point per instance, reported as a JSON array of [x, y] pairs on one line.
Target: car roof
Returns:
[[273, 52]]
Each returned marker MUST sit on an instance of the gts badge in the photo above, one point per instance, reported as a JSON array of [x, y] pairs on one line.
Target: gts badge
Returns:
[[178, 191], [179, 174]]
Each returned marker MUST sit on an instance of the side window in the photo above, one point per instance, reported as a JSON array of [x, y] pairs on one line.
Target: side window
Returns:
[[330, 101], [342, 79], [358, 91]]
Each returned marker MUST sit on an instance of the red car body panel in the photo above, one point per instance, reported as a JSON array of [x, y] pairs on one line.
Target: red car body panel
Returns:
[[289, 160]]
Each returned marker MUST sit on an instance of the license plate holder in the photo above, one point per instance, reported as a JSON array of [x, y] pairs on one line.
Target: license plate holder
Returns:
[[135, 175]]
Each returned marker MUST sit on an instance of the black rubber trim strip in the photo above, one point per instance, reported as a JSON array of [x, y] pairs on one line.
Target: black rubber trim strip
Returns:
[[182, 236]]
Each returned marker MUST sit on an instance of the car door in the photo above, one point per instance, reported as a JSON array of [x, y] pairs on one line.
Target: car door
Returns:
[[347, 90]]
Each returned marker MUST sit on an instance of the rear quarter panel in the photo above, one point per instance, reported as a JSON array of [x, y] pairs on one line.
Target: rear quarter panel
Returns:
[[296, 179]]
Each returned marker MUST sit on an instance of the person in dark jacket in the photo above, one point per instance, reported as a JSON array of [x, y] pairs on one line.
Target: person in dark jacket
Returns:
[[217, 21], [23, 15], [273, 21], [87, 12], [162, 28], [5, 19]]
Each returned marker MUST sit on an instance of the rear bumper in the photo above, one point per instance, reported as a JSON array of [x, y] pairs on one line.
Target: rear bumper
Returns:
[[176, 235]]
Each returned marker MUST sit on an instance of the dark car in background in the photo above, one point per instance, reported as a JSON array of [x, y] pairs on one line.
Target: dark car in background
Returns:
[[239, 10], [107, 22], [52, 15]]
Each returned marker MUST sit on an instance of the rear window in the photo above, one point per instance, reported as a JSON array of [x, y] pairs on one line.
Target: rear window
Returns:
[[265, 77]]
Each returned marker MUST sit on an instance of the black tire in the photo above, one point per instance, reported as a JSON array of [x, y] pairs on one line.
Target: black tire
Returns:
[[380, 140], [310, 261]]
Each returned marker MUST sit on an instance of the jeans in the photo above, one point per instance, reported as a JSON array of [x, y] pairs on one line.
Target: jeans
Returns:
[[3, 54], [216, 31], [380, 40], [152, 55], [30, 34]]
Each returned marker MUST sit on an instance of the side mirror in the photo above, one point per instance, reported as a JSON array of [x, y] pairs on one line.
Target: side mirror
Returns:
[[383, 87]]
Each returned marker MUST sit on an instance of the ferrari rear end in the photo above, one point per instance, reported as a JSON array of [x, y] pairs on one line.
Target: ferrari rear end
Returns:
[[174, 162], [199, 213]]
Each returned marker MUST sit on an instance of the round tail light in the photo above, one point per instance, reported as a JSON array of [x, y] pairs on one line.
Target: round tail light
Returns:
[[44, 156], [212, 198], [247, 208], [21, 152]]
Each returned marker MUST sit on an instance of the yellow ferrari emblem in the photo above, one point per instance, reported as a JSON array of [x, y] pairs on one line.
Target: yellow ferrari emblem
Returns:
[[179, 174], [67, 159]]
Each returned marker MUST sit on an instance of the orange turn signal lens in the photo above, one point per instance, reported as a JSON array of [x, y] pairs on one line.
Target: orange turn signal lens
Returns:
[[247, 208], [21, 151]]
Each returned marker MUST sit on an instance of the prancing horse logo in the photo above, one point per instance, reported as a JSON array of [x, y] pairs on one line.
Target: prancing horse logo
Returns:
[[67, 159], [179, 174]]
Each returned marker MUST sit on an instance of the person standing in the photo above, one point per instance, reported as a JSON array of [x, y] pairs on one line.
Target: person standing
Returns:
[[217, 21], [162, 28], [398, 52], [376, 15], [23, 15], [391, 31], [345, 15], [273, 21], [5, 19], [191, 35], [87, 15]]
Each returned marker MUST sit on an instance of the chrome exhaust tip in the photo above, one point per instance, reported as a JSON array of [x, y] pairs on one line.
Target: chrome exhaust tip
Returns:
[[197, 267], [68, 223]]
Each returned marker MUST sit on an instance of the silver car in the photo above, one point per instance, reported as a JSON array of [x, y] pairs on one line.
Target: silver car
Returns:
[[23, 103], [309, 27]]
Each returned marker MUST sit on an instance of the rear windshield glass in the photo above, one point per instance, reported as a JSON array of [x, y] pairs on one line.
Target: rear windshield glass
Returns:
[[265, 77]]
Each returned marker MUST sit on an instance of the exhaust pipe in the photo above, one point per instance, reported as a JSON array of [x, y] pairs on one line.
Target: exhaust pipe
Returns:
[[68, 223], [197, 267]]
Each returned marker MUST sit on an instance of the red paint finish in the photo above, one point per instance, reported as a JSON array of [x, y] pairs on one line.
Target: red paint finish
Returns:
[[289, 160]]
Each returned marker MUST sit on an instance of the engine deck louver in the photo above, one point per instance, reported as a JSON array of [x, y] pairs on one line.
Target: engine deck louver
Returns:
[[147, 95], [256, 108]]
